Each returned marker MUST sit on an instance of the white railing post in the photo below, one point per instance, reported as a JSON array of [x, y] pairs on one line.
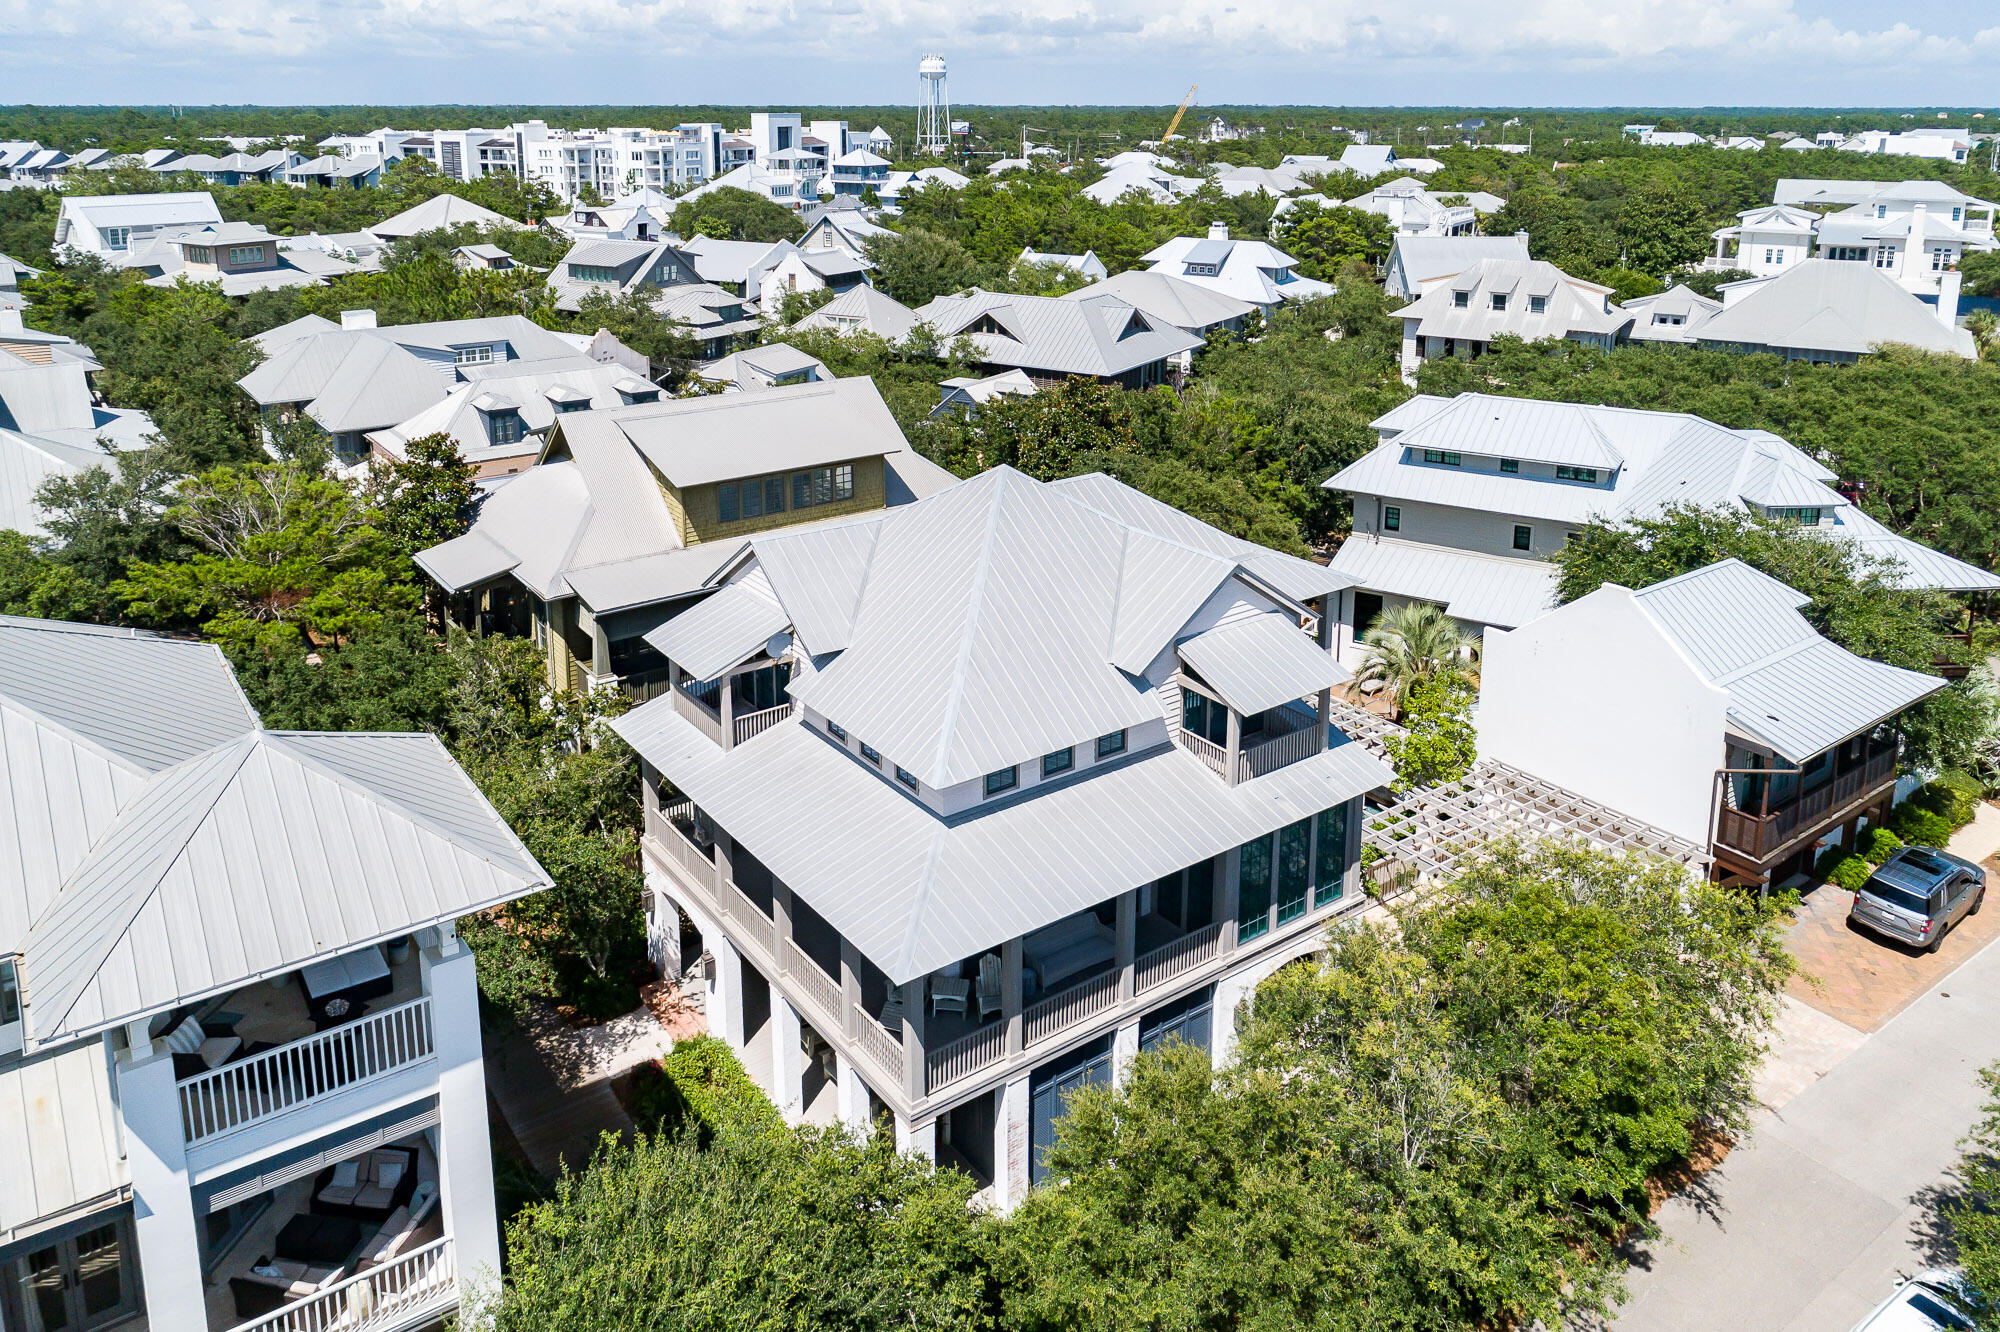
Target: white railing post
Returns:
[[424, 1280]]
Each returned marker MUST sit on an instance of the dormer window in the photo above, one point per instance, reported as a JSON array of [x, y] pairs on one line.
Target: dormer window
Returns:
[[872, 754], [1538, 305], [591, 273], [1108, 745], [116, 238], [1807, 517], [1443, 458], [1510, 465], [246, 254], [988, 324], [906, 777], [479, 355], [1061, 761], [563, 408], [631, 396], [1564, 472], [10, 1008], [999, 783], [1499, 299], [836, 730], [1461, 300], [1201, 270], [505, 427], [750, 499]]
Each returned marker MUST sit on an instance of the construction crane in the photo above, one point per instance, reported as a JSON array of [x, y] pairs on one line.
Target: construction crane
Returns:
[[1175, 123]]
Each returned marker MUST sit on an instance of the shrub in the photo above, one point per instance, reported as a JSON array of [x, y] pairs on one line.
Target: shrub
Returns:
[[1842, 868], [1919, 826], [1965, 792], [1876, 845], [699, 1083]]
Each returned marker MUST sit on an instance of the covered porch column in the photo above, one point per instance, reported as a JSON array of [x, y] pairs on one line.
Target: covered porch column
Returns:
[[465, 1148], [162, 1208]]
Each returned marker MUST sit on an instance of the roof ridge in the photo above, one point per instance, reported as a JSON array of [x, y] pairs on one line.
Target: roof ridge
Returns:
[[921, 900]]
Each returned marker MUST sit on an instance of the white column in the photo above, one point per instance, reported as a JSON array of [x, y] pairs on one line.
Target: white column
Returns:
[[725, 994], [162, 1208], [663, 928], [465, 1151], [852, 1097], [787, 1061], [1124, 1048], [1011, 1146], [921, 1139], [1229, 992]]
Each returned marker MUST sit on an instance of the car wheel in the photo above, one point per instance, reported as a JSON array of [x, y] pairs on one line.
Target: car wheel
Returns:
[[1938, 942], [1978, 901]]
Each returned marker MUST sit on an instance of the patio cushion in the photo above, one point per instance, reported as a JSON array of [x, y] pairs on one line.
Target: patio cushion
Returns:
[[215, 1051], [389, 1172], [186, 1038], [375, 1196], [346, 1175]]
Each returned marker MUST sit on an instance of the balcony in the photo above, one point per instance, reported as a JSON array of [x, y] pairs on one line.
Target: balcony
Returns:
[[1761, 836], [303, 1037], [1284, 736]]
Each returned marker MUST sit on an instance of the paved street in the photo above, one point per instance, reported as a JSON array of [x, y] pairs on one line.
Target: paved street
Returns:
[[1807, 1224]]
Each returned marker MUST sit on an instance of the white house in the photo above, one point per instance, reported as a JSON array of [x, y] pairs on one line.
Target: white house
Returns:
[[772, 364], [1835, 311], [1054, 338], [863, 310], [1464, 500], [1146, 181], [1766, 239], [12, 272], [51, 420], [1739, 728], [1413, 210], [1677, 314], [1914, 230], [970, 801], [112, 226], [1086, 265], [1415, 262], [1462, 314], [1244, 270], [241, 1083]]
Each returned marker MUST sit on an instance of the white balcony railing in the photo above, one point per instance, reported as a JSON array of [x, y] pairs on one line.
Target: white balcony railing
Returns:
[[1177, 958], [1214, 755], [882, 1049], [227, 1098], [1066, 1008], [806, 974], [664, 826], [968, 1054], [756, 723], [424, 1280]]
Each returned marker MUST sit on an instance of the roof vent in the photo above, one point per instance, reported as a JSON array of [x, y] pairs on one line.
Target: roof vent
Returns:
[[357, 319], [1218, 231]]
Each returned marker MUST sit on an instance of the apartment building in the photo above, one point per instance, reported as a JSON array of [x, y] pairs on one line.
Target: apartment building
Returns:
[[627, 513], [240, 1073], [1464, 500], [962, 804]]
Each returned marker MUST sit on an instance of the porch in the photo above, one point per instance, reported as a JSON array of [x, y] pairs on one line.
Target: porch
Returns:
[[1765, 818]]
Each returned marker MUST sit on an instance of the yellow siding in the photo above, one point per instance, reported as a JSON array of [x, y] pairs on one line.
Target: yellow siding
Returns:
[[695, 509]]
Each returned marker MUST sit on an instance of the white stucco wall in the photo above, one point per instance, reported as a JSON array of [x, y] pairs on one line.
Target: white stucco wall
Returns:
[[1595, 697]]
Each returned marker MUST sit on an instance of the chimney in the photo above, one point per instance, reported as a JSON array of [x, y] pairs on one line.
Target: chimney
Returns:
[[357, 319], [1947, 306], [1913, 247], [1522, 236], [10, 320], [1218, 231]]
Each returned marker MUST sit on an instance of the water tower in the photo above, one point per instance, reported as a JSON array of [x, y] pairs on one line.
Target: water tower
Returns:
[[933, 108]]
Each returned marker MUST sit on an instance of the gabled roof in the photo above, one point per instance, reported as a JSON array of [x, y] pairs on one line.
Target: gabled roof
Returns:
[[1260, 662], [1101, 336], [1788, 687], [1245, 268], [1826, 305], [1168, 300], [1525, 429], [180, 208], [1425, 259], [1572, 305], [866, 309], [728, 261]]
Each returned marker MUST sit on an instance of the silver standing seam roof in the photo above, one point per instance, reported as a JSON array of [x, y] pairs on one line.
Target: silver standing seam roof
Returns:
[[164, 847], [1788, 687], [1260, 662], [1101, 336]]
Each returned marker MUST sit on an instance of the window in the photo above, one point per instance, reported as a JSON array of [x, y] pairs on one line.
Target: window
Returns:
[[246, 254], [1940, 258], [1564, 472], [1885, 256], [1443, 458], [1201, 270], [1392, 518], [591, 273], [1330, 863], [1461, 300], [505, 427], [1294, 862], [1499, 299], [574, 405], [822, 485], [116, 238], [906, 777], [1524, 537], [10, 1007], [480, 355], [1538, 305], [1253, 902], [750, 499], [1002, 781], [836, 730], [1804, 517], [1510, 465], [1203, 716], [872, 754], [1107, 745], [1059, 762], [199, 254]]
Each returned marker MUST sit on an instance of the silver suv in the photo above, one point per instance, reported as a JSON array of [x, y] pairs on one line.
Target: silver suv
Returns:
[[1917, 895]]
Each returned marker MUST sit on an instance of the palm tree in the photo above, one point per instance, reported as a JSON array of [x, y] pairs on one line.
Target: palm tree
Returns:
[[1985, 331], [1413, 644]]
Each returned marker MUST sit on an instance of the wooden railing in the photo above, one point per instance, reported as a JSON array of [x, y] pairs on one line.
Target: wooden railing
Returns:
[[1281, 751], [1759, 836], [1214, 755], [1066, 1008], [883, 1049], [705, 718], [676, 846], [807, 974], [1177, 958], [968, 1054], [756, 723], [225, 1099], [396, 1294]]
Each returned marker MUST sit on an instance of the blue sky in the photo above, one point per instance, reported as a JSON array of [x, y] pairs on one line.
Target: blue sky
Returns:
[[789, 52]]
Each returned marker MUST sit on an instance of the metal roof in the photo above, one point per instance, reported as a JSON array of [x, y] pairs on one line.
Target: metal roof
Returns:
[[1096, 336], [915, 892], [699, 441], [1425, 259], [466, 561], [1839, 306], [1480, 589], [1247, 269], [1261, 661], [1574, 306], [256, 857], [867, 309], [1788, 687], [1920, 566], [722, 630], [1525, 429], [59, 1130], [1166, 299], [441, 211]]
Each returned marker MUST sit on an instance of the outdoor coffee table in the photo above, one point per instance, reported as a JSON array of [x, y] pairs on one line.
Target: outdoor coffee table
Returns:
[[318, 1241]]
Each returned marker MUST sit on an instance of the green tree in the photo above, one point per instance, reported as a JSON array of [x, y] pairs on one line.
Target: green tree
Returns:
[[728, 213], [633, 317], [1323, 239], [427, 498], [1439, 743], [1412, 645], [1661, 227], [788, 1229], [1973, 1217], [916, 265], [282, 559], [104, 519]]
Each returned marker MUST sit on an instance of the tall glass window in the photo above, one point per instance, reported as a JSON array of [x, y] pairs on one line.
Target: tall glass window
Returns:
[[1330, 869], [1294, 862], [1253, 903], [1203, 716]]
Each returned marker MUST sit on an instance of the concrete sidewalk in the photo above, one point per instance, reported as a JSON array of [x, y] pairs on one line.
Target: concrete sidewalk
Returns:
[[1833, 1195]]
